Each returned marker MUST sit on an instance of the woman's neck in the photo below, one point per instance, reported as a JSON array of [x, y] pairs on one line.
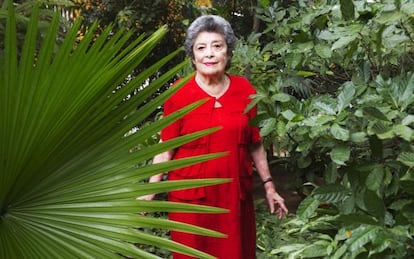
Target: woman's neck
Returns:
[[212, 81], [214, 86]]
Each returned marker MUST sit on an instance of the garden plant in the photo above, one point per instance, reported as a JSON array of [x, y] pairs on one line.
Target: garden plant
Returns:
[[71, 167], [336, 96], [335, 81]]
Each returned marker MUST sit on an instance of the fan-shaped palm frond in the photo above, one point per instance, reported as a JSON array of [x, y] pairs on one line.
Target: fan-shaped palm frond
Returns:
[[69, 166]]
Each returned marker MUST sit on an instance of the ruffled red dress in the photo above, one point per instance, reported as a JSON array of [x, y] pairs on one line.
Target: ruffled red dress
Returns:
[[234, 137]]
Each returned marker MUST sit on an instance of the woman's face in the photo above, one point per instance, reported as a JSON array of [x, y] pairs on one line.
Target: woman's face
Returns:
[[210, 53]]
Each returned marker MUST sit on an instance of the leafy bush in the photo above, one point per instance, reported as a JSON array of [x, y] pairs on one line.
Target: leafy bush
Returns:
[[335, 91]]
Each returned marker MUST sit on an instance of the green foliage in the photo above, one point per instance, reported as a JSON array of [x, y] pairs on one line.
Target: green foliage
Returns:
[[335, 87], [70, 166], [23, 9]]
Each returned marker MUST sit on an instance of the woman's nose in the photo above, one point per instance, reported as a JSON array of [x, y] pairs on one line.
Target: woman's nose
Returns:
[[209, 52]]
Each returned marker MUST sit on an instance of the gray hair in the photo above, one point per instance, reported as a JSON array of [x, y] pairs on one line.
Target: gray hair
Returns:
[[210, 23]]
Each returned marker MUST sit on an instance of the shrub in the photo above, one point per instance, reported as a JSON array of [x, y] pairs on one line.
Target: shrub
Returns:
[[335, 92]]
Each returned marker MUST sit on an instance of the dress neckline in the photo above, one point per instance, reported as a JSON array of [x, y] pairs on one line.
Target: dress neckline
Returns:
[[209, 95]]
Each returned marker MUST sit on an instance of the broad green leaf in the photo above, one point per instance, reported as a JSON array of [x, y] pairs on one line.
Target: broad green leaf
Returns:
[[267, 126], [375, 178], [399, 204], [407, 182], [407, 158], [324, 119], [319, 120], [361, 236], [307, 207], [404, 132], [331, 193], [280, 97], [389, 17], [346, 206], [347, 9], [293, 60], [382, 130], [374, 204], [407, 120], [264, 3], [375, 113], [281, 128], [325, 109], [401, 231], [358, 137], [302, 47], [345, 97], [315, 250], [288, 114], [343, 42], [358, 219], [287, 249], [340, 252], [305, 73], [323, 51], [340, 154], [339, 132], [319, 130]]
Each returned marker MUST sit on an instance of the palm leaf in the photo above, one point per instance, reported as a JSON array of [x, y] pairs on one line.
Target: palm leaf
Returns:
[[70, 168]]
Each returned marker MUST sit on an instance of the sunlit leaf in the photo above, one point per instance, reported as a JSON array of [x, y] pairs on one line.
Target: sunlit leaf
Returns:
[[267, 126], [407, 158], [340, 154], [280, 97], [403, 131], [323, 51], [345, 97], [339, 132], [343, 42], [307, 207], [361, 236]]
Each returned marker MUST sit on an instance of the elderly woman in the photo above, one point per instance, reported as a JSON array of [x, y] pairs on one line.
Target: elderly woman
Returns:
[[209, 43]]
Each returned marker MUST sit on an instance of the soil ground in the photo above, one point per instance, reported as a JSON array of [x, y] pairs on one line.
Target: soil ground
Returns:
[[284, 186]]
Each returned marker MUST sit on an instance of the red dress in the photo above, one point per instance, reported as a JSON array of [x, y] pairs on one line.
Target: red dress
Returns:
[[234, 137]]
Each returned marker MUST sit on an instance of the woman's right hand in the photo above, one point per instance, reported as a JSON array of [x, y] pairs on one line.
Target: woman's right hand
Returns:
[[147, 197], [163, 157], [153, 179]]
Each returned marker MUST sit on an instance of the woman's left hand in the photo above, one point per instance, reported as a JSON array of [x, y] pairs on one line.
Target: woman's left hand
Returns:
[[276, 204]]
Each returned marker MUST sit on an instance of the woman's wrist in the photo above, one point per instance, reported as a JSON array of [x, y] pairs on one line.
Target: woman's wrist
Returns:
[[267, 180], [268, 185]]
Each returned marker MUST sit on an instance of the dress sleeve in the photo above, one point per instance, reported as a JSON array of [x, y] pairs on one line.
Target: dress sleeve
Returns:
[[255, 131]]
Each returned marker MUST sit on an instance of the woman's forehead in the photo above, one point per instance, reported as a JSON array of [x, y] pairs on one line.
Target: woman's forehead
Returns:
[[206, 36]]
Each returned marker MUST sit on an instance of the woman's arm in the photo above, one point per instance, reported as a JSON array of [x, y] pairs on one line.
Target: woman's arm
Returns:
[[260, 160], [160, 158]]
